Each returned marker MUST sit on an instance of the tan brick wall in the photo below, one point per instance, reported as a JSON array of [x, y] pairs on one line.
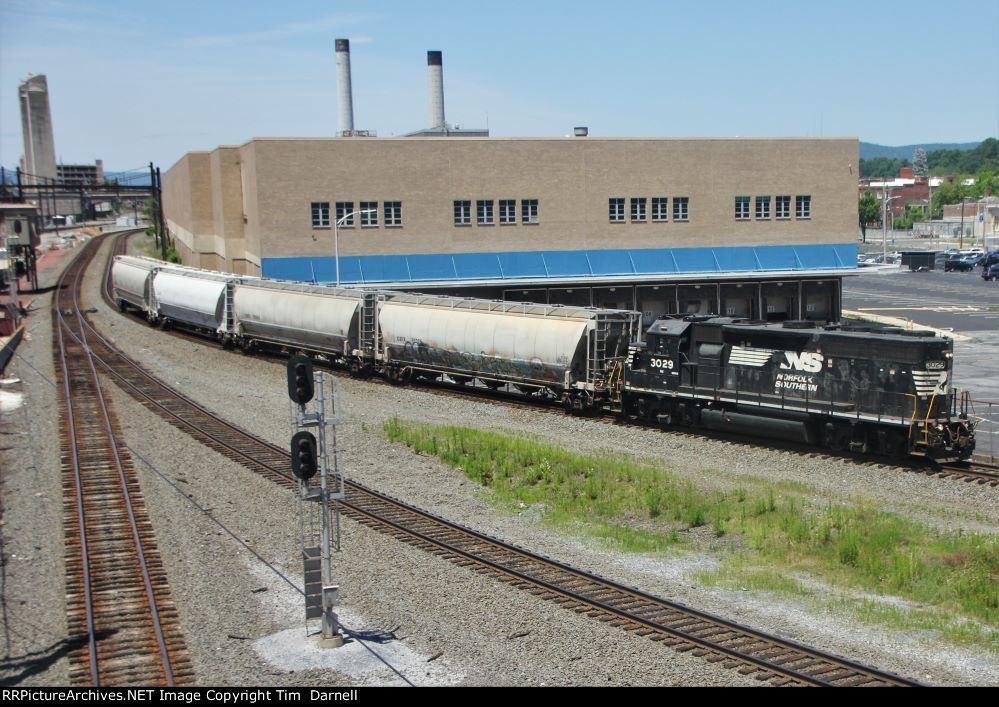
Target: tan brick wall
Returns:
[[572, 179], [187, 205]]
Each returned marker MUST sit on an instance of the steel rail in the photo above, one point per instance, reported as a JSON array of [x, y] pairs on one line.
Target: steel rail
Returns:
[[92, 388], [129, 506]]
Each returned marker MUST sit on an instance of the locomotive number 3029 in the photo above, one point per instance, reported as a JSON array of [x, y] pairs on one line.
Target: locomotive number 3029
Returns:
[[662, 363]]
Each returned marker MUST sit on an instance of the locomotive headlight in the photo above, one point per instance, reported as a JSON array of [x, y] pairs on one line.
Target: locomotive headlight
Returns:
[[949, 354]]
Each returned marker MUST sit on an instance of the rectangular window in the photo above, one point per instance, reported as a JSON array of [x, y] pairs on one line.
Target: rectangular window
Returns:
[[484, 212], [763, 207], [637, 208], [681, 208], [660, 208], [507, 212], [742, 208], [616, 207], [529, 211], [803, 206], [342, 209], [393, 213], [463, 213], [369, 214], [783, 207], [320, 214]]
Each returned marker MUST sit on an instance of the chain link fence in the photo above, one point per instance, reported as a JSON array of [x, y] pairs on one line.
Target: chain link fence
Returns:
[[987, 431]]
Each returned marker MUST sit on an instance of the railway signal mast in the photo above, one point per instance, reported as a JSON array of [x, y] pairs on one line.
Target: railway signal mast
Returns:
[[314, 454]]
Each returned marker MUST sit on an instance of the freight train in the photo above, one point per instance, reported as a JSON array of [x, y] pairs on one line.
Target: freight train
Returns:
[[874, 390]]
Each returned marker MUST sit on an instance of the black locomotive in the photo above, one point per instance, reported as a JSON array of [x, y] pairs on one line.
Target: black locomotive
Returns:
[[869, 389]]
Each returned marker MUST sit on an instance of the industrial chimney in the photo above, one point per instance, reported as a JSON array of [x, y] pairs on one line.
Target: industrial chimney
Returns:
[[435, 76], [345, 98]]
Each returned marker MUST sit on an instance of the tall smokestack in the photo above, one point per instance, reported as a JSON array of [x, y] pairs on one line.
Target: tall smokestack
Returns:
[[435, 75], [345, 98]]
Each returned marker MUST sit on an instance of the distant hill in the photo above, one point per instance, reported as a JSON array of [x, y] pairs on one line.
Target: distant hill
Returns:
[[868, 150]]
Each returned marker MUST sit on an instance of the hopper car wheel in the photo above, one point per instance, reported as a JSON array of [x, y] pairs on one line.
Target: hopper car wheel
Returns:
[[227, 343], [121, 305], [166, 324]]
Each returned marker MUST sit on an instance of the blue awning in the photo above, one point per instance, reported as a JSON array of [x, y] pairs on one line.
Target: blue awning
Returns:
[[560, 265]]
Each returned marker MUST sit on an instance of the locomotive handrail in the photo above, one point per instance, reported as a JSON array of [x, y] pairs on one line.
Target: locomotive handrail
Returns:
[[912, 420]]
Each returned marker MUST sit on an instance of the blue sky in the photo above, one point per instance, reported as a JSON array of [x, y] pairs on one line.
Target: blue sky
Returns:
[[132, 81]]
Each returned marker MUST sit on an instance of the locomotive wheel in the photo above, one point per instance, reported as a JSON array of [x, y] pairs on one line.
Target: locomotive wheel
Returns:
[[642, 409]]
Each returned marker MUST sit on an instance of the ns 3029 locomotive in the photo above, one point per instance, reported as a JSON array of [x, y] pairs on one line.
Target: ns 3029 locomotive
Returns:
[[867, 389]]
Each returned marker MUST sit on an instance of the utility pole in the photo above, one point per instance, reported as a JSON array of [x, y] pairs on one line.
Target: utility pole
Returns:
[[159, 211]]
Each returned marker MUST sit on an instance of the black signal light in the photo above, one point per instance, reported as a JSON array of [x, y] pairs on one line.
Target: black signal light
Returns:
[[301, 386], [304, 455]]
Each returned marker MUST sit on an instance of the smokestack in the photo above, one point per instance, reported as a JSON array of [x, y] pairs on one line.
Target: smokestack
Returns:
[[435, 75], [345, 98]]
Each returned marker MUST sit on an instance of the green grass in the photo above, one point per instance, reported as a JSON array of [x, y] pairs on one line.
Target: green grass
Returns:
[[640, 506]]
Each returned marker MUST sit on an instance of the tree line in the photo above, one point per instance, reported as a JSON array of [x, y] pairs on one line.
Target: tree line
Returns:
[[983, 158]]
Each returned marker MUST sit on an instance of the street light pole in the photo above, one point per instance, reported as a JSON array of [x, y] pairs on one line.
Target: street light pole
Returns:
[[336, 237]]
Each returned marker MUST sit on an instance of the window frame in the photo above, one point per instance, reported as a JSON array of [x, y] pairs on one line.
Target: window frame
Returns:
[[785, 213], [681, 208], [369, 220], [615, 209], [764, 213], [742, 208], [507, 212], [342, 209], [393, 214], [462, 212], [530, 212], [639, 211], [320, 214], [484, 215], [803, 207], [660, 209]]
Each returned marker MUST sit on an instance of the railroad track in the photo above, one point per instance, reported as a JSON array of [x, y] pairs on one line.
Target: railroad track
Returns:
[[717, 640], [120, 615]]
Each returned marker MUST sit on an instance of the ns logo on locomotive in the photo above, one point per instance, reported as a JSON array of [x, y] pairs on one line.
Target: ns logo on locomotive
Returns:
[[875, 390]]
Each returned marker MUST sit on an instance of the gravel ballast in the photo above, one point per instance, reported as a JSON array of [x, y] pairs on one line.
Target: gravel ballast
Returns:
[[469, 624]]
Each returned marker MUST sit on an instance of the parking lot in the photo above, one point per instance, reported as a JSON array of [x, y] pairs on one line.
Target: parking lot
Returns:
[[958, 301]]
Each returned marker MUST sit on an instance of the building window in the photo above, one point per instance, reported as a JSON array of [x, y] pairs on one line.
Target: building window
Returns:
[[463, 213], [616, 207], [393, 213], [529, 211], [783, 207], [637, 208], [342, 209], [681, 208], [742, 208], [660, 208], [803, 206], [484, 212], [507, 212], [320, 214], [369, 219], [763, 207]]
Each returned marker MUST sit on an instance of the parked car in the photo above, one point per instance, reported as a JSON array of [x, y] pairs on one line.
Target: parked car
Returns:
[[991, 272], [959, 264], [991, 259]]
